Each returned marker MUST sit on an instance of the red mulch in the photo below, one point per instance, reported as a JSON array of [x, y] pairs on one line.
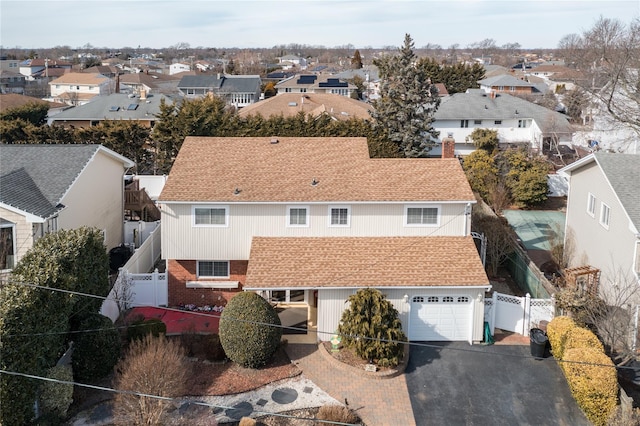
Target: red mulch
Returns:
[[179, 322]]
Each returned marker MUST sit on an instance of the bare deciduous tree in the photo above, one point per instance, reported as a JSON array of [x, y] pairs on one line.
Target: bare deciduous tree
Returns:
[[153, 366]]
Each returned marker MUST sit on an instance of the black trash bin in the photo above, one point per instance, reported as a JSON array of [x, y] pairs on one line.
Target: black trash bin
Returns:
[[538, 340]]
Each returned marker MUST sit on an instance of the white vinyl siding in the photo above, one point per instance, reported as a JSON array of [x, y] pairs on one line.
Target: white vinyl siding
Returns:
[[591, 205], [182, 240], [339, 216], [213, 269], [210, 215], [422, 215], [298, 216]]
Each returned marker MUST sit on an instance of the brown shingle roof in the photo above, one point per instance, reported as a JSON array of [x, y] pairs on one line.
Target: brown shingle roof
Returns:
[[364, 262], [80, 78], [210, 169], [290, 104]]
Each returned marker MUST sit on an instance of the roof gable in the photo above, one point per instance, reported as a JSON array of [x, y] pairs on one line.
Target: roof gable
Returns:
[[35, 178], [262, 170], [290, 104]]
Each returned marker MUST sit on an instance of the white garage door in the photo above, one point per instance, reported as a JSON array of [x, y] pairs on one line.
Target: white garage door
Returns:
[[440, 318]]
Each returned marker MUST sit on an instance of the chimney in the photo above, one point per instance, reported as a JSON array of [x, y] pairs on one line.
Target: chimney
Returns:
[[448, 146], [117, 82], [143, 94]]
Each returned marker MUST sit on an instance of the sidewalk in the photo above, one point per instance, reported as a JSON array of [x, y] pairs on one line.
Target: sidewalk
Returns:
[[378, 401]]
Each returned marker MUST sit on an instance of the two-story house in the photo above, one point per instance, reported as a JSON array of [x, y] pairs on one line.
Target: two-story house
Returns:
[[517, 121], [309, 221], [603, 218], [236, 90], [315, 83], [288, 62], [506, 83], [79, 88], [50, 187]]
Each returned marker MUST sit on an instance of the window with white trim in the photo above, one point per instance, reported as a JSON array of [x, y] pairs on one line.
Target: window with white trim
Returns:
[[7, 244], [464, 123], [212, 269], [210, 215], [297, 216], [339, 216], [422, 215], [605, 215], [591, 205]]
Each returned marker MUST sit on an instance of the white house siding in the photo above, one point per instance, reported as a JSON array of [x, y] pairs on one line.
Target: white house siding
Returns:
[[96, 199], [610, 250], [508, 131], [183, 241], [22, 233], [332, 303]]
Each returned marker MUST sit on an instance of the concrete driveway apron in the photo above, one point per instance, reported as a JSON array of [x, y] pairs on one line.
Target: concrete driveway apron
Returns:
[[459, 384]]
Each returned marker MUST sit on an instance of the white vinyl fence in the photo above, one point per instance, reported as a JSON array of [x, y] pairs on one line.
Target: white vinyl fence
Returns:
[[517, 314]]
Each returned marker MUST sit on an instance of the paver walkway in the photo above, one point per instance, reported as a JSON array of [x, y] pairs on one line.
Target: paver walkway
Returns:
[[378, 402]]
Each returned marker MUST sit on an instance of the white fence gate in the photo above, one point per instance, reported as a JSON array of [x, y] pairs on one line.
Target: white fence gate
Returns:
[[517, 314]]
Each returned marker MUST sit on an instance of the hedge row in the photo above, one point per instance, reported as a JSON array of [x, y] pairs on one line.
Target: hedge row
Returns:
[[590, 373]]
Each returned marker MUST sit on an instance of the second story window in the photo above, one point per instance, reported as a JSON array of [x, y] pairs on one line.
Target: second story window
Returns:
[[464, 123], [422, 215], [497, 122], [591, 205], [210, 216], [605, 215], [339, 216], [298, 216]]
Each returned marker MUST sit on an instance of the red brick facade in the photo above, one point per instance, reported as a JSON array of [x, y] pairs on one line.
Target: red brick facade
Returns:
[[181, 271]]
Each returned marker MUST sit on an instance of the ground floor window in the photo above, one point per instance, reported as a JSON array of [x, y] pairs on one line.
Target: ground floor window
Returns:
[[286, 296]]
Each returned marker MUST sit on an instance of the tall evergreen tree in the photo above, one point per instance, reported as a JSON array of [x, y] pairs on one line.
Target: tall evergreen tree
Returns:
[[356, 61], [408, 100]]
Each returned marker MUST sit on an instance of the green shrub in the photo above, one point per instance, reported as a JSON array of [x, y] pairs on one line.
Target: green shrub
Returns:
[[580, 337], [96, 351], [370, 314], [57, 397], [593, 381], [246, 333], [557, 331], [140, 328]]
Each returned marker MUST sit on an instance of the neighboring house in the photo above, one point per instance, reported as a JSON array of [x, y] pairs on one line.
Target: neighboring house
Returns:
[[603, 217], [313, 83], [9, 64], [34, 69], [370, 78], [11, 82], [50, 187], [508, 84], [79, 88], [517, 121], [106, 70], [178, 68], [13, 100], [309, 221], [236, 90], [314, 104], [291, 61], [118, 106], [149, 83]]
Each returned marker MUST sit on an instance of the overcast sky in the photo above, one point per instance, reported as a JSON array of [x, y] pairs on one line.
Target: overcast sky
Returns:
[[330, 23]]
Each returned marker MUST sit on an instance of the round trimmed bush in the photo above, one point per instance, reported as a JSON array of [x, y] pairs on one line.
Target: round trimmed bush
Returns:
[[96, 351], [137, 330], [249, 330], [557, 331]]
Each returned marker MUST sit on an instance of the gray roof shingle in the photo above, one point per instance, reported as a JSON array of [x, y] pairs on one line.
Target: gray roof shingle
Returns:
[[104, 108], [34, 178], [230, 83], [623, 173]]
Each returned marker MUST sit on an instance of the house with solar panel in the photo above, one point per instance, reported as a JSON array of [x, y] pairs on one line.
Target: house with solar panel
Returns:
[[46, 188], [315, 83], [517, 121], [236, 90], [306, 222], [142, 108]]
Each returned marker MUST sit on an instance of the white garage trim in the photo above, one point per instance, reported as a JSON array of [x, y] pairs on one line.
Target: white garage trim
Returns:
[[441, 317]]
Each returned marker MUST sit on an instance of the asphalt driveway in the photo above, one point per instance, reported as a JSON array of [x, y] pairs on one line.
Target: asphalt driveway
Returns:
[[459, 384]]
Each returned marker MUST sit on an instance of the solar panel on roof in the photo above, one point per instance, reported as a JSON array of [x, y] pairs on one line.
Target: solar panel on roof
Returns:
[[132, 107], [307, 79]]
